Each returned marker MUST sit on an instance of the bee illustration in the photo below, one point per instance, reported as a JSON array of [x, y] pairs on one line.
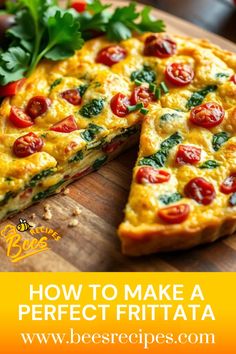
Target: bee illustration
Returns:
[[23, 226]]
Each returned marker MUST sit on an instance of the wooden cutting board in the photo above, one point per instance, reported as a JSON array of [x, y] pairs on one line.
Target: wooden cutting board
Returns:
[[93, 244]]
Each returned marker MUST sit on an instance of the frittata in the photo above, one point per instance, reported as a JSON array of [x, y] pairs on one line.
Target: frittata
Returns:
[[71, 117]]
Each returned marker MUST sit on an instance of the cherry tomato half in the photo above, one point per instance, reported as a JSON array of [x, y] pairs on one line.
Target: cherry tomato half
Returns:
[[200, 190], [79, 6], [159, 46], [175, 214], [233, 79], [12, 88], [66, 125], [119, 104], [151, 175], [207, 115], [27, 145], [143, 95], [19, 118], [188, 154], [111, 55], [229, 184], [37, 106], [179, 74], [72, 96]]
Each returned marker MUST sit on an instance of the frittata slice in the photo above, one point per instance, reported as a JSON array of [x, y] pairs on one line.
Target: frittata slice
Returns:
[[184, 183]]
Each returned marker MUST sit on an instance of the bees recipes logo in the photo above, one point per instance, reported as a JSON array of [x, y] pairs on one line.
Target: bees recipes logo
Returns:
[[20, 247]]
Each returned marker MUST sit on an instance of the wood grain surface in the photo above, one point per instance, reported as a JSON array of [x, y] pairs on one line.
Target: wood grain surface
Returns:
[[93, 244]]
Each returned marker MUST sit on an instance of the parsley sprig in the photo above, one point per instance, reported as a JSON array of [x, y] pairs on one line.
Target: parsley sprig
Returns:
[[43, 29]]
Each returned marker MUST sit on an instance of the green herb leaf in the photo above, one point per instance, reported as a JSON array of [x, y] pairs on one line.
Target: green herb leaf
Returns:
[[159, 158], [197, 97], [170, 198], [144, 75], [34, 181], [78, 157], [55, 83], [210, 164], [93, 108], [82, 89], [219, 139], [222, 75], [91, 132], [168, 117]]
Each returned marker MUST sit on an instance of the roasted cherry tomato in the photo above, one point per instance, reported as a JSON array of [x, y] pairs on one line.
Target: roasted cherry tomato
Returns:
[[66, 125], [72, 96], [229, 184], [19, 118], [175, 214], [119, 105], [179, 74], [11, 89], [159, 46], [233, 79], [112, 147], [151, 175], [188, 154], [79, 6], [37, 106], [200, 190], [111, 55], [143, 95], [27, 145], [207, 115]]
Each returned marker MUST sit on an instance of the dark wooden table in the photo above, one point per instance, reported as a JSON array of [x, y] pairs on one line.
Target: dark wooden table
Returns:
[[218, 16]]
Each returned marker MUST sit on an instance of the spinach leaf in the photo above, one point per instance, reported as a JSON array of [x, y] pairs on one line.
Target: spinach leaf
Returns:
[[93, 108], [210, 164], [40, 176], [48, 192], [197, 97], [55, 83], [219, 139], [82, 89], [144, 75], [6, 198], [159, 158], [170, 198], [91, 132], [232, 200], [168, 117], [78, 157], [99, 162]]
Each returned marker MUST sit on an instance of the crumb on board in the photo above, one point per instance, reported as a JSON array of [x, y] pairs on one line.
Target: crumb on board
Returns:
[[32, 224], [66, 191], [76, 212], [73, 223], [33, 216], [48, 213]]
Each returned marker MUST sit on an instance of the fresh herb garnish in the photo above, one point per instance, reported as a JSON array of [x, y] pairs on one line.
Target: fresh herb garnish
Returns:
[[55, 83], [163, 87], [144, 75], [159, 158], [222, 75], [41, 30], [90, 133], [170, 198], [134, 108], [93, 108], [119, 24], [197, 97], [210, 165], [219, 139]]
